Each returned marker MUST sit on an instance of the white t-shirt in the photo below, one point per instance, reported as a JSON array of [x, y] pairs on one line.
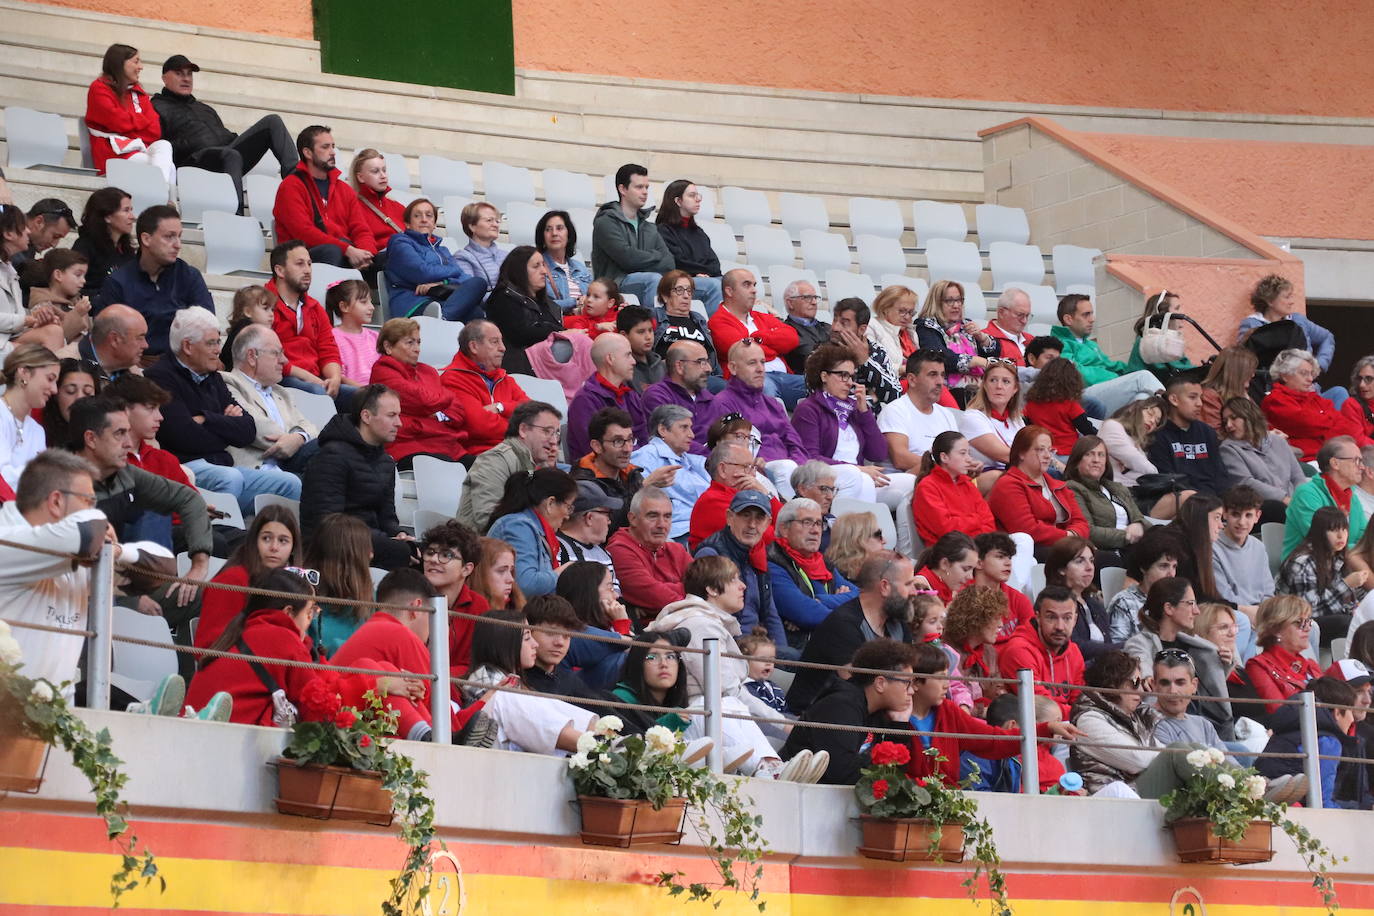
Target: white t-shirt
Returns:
[[975, 423], [776, 364], [920, 429], [20, 442], [847, 446]]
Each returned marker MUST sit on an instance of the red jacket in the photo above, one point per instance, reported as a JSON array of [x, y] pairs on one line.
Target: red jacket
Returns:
[[344, 223], [648, 578], [1019, 505], [159, 461], [1277, 674], [383, 638], [942, 504], [473, 389], [942, 590], [1019, 613], [381, 232], [313, 346], [708, 517], [726, 330], [1056, 418], [1026, 649], [577, 321], [132, 116], [460, 630], [269, 633], [1355, 412], [422, 396], [1309, 419], [1006, 347], [950, 718], [219, 606]]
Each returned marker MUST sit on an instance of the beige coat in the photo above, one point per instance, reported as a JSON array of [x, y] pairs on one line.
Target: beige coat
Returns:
[[243, 390]]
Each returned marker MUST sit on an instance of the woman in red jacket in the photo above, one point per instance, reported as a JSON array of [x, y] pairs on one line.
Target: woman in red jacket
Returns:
[[1026, 499], [432, 419], [273, 541], [1283, 624], [1297, 408], [121, 117], [1359, 407], [384, 216], [948, 564], [946, 499]]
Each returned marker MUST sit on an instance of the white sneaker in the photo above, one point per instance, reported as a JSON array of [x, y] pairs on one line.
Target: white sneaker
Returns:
[[697, 750], [798, 767], [735, 757], [820, 762]]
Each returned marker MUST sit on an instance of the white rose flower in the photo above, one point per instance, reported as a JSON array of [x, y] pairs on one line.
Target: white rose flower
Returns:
[[1255, 787], [660, 739], [10, 653], [41, 691], [579, 761], [586, 743], [607, 726], [604, 758], [1215, 756], [1226, 780], [1197, 758]]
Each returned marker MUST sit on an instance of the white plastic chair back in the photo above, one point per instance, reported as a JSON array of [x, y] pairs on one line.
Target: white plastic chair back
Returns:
[[1014, 263], [441, 177], [322, 276], [438, 341], [1044, 303], [137, 669], [936, 220], [319, 409], [874, 216], [263, 500], [960, 261], [1073, 269], [502, 184], [199, 190], [438, 485], [824, 251], [564, 190], [1001, 224], [142, 180], [34, 138], [549, 391], [397, 173], [226, 504], [745, 207], [879, 255], [261, 191], [918, 286], [802, 211], [841, 284], [766, 245], [779, 277], [453, 217], [723, 240], [521, 218], [234, 244]]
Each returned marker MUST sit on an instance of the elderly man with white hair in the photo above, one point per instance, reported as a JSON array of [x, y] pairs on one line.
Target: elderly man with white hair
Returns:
[[806, 585], [286, 439], [671, 428], [609, 386], [203, 421], [1008, 329], [801, 300]]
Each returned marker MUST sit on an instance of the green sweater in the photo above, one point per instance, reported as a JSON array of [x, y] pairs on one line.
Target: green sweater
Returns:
[[1307, 499], [1084, 353]]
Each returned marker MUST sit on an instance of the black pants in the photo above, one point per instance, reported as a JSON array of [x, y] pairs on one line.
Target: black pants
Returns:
[[269, 133]]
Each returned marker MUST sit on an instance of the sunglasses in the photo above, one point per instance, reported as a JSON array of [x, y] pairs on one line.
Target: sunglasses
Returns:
[[312, 576], [1176, 655]]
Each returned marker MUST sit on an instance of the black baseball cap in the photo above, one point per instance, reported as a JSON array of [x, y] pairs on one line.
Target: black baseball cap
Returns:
[[179, 62]]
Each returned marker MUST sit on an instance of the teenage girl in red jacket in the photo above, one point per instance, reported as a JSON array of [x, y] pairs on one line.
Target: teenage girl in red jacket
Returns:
[[121, 117]]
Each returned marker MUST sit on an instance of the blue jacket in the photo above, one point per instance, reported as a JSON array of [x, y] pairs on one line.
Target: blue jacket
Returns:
[[533, 562], [1320, 341], [759, 609], [599, 663], [558, 281], [804, 606], [413, 258], [179, 286], [691, 480]]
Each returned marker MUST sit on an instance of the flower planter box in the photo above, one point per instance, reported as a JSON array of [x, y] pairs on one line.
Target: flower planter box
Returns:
[[907, 839], [630, 822], [1196, 842], [336, 793], [22, 762]]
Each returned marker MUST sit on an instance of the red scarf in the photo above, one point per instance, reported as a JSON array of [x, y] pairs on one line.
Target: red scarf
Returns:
[[1341, 495], [618, 390], [974, 660], [1291, 672], [552, 537], [813, 565], [908, 345]]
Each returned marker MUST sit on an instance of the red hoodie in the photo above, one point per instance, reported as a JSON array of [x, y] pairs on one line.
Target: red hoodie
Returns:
[[269, 632], [1309, 419], [473, 389], [299, 203], [381, 231], [942, 504], [950, 718], [1025, 649], [312, 346], [131, 116], [422, 397]]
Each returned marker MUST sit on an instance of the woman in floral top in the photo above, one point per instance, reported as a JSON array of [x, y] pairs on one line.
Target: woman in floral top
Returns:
[[941, 327]]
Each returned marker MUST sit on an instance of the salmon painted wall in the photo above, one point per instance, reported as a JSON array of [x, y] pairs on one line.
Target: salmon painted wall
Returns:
[[1300, 190], [1283, 56]]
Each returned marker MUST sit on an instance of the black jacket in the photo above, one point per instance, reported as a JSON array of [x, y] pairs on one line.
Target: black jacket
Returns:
[[1082, 634], [189, 125], [101, 262], [348, 475], [840, 703], [691, 248], [832, 643], [567, 682], [523, 321], [811, 337], [208, 398], [1192, 452]]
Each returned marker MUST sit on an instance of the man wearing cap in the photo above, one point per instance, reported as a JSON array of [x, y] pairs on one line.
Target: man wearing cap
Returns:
[[199, 138], [742, 540], [612, 439], [583, 535], [1354, 786], [731, 467], [806, 586]]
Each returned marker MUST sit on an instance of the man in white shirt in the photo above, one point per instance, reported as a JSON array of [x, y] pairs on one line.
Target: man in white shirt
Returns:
[[285, 439], [911, 424]]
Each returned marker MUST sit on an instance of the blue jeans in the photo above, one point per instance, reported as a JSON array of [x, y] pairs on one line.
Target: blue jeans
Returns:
[[1116, 393], [244, 484], [149, 526], [791, 388], [709, 292], [643, 284], [465, 302]]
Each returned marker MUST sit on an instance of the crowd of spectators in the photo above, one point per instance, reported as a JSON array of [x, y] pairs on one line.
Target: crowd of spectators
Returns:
[[692, 491]]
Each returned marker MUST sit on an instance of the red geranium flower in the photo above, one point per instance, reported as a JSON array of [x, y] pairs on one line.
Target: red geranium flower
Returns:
[[890, 752], [365, 741], [319, 703], [345, 718], [879, 789]]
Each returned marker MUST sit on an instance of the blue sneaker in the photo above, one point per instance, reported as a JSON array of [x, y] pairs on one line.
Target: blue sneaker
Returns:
[[166, 699], [218, 709]]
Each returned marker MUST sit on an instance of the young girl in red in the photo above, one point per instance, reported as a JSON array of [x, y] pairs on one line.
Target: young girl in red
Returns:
[[1053, 403], [597, 311]]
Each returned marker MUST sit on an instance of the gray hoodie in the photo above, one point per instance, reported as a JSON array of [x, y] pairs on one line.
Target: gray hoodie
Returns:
[[620, 248], [1242, 570], [706, 621], [1272, 468]]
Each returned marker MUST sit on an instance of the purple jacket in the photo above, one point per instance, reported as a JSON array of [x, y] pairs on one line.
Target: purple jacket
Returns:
[[595, 396], [667, 391], [780, 439], [819, 427]]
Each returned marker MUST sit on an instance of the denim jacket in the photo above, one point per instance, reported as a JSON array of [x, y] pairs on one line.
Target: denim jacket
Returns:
[[558, 280]]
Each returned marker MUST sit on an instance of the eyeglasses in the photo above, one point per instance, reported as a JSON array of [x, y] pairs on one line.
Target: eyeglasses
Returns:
[[703, 361], [949, 301], [826, 490], [309, 575], [552, 431], [1345, 457], [908, 682], [808, 522], [847, 376], [1000, 361], [1364, 379], [682, 290], [617, 442], [810, 298], [663, 657], [89, 499], [441, 553], [1304, 624]]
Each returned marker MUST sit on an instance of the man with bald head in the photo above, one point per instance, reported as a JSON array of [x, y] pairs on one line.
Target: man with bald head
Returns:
[[609, 386], [286, 439], [801, 301], [736, 319], [118, 337], [744, 394], [688, 368]]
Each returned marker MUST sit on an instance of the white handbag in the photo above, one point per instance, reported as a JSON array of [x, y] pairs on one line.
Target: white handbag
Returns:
[[1160, 343]]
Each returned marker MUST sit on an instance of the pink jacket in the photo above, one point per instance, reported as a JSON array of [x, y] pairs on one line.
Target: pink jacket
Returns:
[[572, 374]]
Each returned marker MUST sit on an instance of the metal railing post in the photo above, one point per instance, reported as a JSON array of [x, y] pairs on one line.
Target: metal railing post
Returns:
[[1030, 761], [710, 685], [441, 691], [100, 620], [1310, 764]]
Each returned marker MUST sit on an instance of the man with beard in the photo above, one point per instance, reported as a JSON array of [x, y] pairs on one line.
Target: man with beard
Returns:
[[886, 581], [1042, 644]]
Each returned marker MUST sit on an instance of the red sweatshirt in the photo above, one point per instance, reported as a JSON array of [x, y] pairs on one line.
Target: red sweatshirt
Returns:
[[131, 115], [726, 330], [219, 606], [422, 397], [648, 578], [1019, 505], [299, 202], [942, 504], [307, 338], [1026, 649], [1309, 419], [460, 630], [381, 232], [473, 389], [270, 633], [950, 718]]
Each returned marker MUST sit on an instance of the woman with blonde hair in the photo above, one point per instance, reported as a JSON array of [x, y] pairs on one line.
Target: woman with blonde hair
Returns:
[[894, 311], [384, 217], [992, 419], [853, 537], [1216, 623], [30, 377], [1283, 625], [965, 346], [494, 576], [1127, 435], [432, 419], [1229, 377]]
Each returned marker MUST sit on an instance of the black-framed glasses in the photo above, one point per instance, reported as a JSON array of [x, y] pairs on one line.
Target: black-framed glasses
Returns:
[[958, 301], [663, 656], [682, 290], [441, 553], [311, 576], [847, 376]]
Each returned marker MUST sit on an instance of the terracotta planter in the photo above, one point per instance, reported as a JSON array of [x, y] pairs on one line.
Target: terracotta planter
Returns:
[[336, 793], [630, 822], [22, 762], [1196, 842], [907, 839]]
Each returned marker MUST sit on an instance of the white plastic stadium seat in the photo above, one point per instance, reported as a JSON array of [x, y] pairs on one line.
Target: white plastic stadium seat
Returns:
[[1271, 535], [1113, 581], [765, 245], [137, 669], [503, 183], [822, 251], [34, 138], [199, 190], [267, 165], [263, 500], [318, 408], [1073, 269], [452, 215], [872, 216], [947, 260], [261, 191], [397, 173], [234, 244], [438, 341], [142, 180], [438, 484], [1044, 303], [1001, 224], [779, 276], [918, 286], [746, 208], [841, 284], [707, 213], [441, 177], [322, 276], [226, 504], [880, 255], [936, 220], [800, 212], [521, 218], [550, 391], [1013, 263], [564, 190], [723, 240]]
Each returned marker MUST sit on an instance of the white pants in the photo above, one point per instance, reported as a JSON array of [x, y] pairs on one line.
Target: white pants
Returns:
[[533, 723], [159, 153], [735, 734], [780, 473], [1023, 562]]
